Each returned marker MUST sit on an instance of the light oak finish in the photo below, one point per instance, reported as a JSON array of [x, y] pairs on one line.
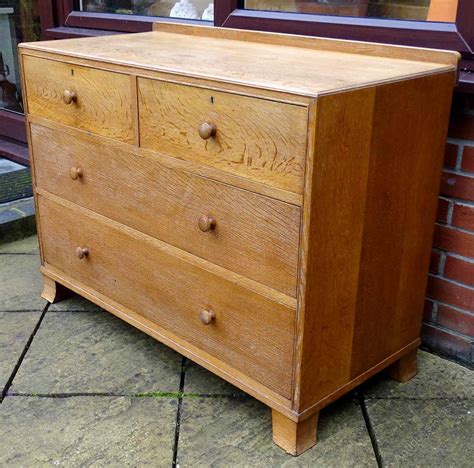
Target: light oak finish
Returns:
[[251, 333], [262, 203], [253, 235], [294, 437], [253, 138], [81, 97], [405, 368]]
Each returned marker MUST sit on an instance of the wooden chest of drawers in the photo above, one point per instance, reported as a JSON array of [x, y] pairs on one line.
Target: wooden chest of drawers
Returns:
[[262, 203]]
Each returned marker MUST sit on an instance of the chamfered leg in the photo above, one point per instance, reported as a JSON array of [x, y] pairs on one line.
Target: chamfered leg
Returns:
[[53, 291], [294, 437], [405, 368]]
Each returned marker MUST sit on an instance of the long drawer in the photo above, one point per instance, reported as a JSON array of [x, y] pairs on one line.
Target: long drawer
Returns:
[[254, 138], [251, 234], [250, 332], [94, 100]]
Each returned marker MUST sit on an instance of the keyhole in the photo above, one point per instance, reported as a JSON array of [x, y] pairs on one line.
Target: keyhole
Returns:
[[212, 99], [72, 72]]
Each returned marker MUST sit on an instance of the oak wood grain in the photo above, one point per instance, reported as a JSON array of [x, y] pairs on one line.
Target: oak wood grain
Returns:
[[171, 162], [294, 437], [257, 238], [250, 332], [334, 229], [280, 67], [407, 148], [446, 57], [254, 138], [103, 102]]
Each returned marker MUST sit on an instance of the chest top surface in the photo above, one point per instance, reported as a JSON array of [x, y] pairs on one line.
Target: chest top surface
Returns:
[[292, 64]]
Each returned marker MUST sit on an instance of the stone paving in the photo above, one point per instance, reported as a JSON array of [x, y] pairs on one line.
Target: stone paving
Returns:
[[82, 388]]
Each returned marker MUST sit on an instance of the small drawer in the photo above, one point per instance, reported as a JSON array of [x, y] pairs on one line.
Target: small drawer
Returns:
[[254, 138], [244, 232], [249, 332], [94, 100]]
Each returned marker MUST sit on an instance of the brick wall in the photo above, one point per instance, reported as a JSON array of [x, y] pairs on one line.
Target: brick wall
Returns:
[[449, 308]]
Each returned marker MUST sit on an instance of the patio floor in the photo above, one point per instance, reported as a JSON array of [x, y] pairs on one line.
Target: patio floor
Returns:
[[82, 388]]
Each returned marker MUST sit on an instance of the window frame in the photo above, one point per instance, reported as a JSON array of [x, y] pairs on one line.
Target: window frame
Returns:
[[452, 36]]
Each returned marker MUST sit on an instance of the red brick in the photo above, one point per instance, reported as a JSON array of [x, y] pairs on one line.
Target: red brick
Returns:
[[447, 238], [463, 217], [457, 185], [434, 264], [457, 320], [442, 213], [428, 311], [468, 159], [459, 270], [450, 293], [447, 342], [461, 126], [450, 155]]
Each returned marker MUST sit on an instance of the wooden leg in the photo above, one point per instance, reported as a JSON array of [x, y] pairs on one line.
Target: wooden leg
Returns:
[[294, 437], [404, 369], [53, 291]]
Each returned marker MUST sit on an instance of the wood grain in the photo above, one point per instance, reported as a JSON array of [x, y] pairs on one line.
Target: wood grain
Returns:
[[255, 138], [251, 333], [294, 437], [334, 229], [189, 167], [257, 238], [365, 280], [400, 217], [103, 105], [278, 67], [392, 51]]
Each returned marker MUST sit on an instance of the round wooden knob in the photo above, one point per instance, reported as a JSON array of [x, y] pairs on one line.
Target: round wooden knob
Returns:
[[82, 252], [76, 173], [206, 316], [207, 130], [206, 223], [69, 96]]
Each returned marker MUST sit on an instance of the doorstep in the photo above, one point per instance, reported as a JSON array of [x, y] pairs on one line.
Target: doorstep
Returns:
[[17, 208]]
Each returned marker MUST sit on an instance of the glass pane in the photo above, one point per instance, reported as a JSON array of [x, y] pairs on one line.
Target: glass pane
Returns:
[[421, 10], [192, 9], [19, 22]]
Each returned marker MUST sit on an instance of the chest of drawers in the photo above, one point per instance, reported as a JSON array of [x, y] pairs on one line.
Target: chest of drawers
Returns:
[[262, 203]]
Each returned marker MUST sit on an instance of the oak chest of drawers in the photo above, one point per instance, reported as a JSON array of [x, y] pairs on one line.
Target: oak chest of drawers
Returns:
[[262, 203]]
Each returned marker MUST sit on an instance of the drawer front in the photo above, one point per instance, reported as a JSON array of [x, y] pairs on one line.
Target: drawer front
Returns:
[[249, 332], [253, 235], [101, 103], [254, 138]]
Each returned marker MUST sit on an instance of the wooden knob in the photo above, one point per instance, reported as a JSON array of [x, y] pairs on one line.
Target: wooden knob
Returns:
[[207, 130], [206, 316], [76, 173], [82, 252], [69, 96], [206, 223]]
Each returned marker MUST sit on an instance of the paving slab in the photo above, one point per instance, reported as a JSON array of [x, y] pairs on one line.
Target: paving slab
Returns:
[[15, 330], [28, 245], [434, 433], [437, 378], [87, 431], [20, 283], [200, 381], [95, 352], [75, 303], [223, 432]]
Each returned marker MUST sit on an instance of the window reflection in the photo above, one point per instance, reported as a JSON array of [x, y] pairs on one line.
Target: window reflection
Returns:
[[420, 10], [19, 22], [191, 9]]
